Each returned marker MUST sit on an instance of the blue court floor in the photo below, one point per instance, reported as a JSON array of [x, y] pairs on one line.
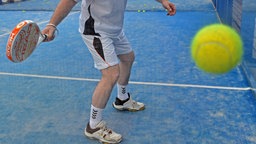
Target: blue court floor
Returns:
[[46, 99]]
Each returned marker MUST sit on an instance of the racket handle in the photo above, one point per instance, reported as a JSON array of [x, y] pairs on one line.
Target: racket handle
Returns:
[[42, 38], [45, 37]]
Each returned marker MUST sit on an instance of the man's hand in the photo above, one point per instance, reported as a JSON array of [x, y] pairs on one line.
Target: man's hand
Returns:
[[170, 7], [49, 30]]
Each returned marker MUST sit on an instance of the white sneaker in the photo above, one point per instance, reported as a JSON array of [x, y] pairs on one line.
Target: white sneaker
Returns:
[[103, 134], [128, 104]]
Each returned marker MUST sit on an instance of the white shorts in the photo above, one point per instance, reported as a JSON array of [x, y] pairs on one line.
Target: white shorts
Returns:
[[105, 50]]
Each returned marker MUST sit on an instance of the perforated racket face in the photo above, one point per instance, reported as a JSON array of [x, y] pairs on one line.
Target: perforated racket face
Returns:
[[22, 41]]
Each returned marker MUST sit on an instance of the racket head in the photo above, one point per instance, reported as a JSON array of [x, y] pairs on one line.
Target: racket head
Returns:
[[22, 41]]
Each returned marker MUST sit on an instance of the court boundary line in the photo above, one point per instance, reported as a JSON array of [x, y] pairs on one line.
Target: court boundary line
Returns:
[[130, 82]]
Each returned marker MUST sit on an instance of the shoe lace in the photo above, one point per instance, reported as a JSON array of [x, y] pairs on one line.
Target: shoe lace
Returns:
[[106, 132], [134, 104]]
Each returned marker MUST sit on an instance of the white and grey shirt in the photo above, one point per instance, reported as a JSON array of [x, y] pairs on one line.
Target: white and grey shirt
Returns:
[[102, 17]]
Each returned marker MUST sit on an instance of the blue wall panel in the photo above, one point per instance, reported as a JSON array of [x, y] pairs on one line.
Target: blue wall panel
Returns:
[[230, 12]]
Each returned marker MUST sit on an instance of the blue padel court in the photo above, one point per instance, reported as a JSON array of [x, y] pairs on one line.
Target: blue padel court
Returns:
[[46, 99]]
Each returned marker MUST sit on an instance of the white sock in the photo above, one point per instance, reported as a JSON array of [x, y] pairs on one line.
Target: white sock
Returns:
[[95, 116], [121, 92]]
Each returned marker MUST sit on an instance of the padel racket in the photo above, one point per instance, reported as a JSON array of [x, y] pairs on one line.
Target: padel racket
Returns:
[[23, 40]]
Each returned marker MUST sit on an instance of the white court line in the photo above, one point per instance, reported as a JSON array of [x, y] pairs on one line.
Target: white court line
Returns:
[[131, 82]]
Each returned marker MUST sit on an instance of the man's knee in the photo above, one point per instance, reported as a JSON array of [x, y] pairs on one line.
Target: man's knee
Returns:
[[111, 73], [127, 58]]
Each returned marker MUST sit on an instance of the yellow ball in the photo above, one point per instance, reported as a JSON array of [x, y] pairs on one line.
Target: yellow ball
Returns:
[[217, 48]]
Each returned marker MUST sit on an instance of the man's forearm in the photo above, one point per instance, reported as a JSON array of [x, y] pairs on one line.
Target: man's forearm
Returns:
[[61, 11], [161, 0]]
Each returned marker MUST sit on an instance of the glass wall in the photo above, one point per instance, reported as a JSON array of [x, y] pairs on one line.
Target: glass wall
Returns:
[[241, 14], [249, 35]]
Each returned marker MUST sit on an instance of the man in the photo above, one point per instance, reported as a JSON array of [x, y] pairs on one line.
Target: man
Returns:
[[101, 27]]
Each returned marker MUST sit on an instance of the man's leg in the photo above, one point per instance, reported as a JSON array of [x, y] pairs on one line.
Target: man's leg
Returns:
[[96, 128], [125, 65], [104, 88], [102, 93], [123, 100]]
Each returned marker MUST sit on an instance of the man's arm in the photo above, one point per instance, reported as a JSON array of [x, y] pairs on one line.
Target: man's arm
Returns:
[[170, 7], [61, 11]]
